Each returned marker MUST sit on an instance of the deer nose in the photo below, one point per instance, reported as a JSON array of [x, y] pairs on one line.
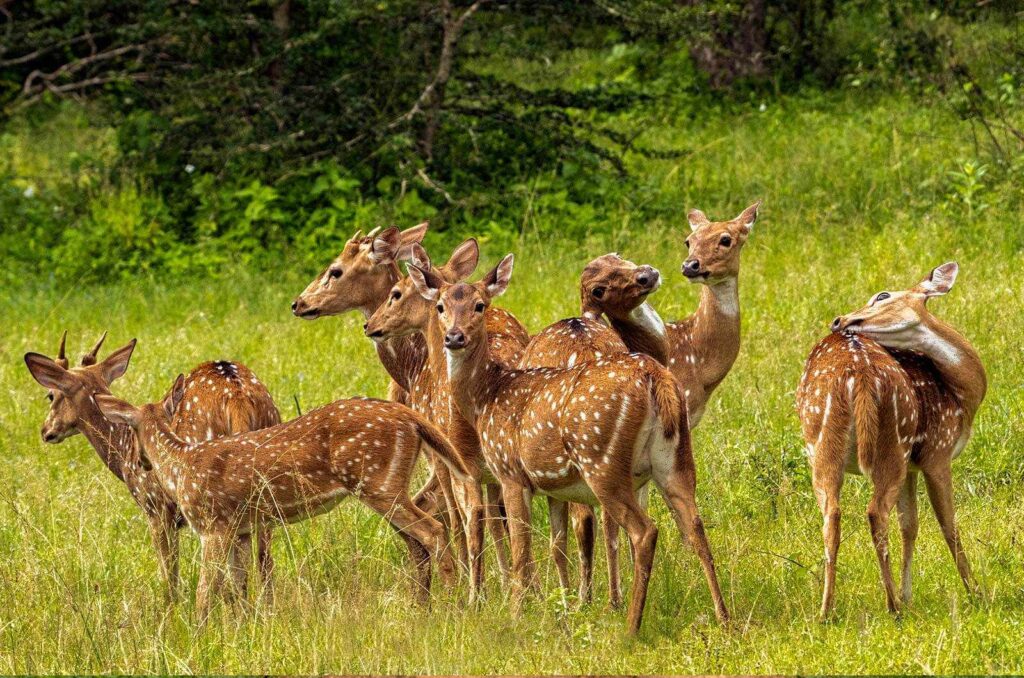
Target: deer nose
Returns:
[[454, 339], [691, 268], [49, 436], [647, 276], [837, 324], [372, 334]]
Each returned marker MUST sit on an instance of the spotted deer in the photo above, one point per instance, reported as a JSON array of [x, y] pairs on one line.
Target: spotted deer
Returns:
[[406, 313], [612, 286], [592, 433], [361, 278], [242, 485], [892, 392], [224, 398]]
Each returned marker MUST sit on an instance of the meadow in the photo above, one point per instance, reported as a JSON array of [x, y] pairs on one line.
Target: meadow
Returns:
[[858, 198]]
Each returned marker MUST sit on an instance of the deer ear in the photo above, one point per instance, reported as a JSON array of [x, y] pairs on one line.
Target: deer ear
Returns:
[[174, 396], [418, 257], [463, 261], [48, 373], [697, 219], [384, 248], [408, 237], [496, 281], [118, 411], [748, 216], [116, 364], [940, 281], [427, 283]]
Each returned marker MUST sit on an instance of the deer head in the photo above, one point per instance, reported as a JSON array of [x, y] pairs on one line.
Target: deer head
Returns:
[[898, 319], [461, 306], [406, 311], [614, 286], [714, 246], [360, 277], [71, 389], [149, 421]]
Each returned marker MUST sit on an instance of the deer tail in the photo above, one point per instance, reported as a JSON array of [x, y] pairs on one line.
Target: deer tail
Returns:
[[865, 419], [670, 404], [445, 451]]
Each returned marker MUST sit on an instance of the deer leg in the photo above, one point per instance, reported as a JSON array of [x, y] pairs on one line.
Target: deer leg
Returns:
[[827, 478], [643, 535], [906, 506], [216, 549], [239, 560], [517, 504], [887, 480], [164, 532], [454, 523], [475, 521], [939, 482], [422, 534], [426, 498], [611, 543], [558, 513], [265, 556], [584, 524], [679, 487], [498, 527]]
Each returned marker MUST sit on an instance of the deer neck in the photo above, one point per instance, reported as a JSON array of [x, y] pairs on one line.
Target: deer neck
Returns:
[[957, 362], [716, 330], [643, 331], [114, 443], [473, 377], [402, 357]]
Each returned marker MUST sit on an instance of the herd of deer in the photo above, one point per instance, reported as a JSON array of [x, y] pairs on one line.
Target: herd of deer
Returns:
[[586, 412]]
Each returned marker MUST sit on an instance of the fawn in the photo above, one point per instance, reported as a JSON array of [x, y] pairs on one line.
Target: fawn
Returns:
[[892, 392], [593, 433], [619, 288], [225, 398], [237, 486]]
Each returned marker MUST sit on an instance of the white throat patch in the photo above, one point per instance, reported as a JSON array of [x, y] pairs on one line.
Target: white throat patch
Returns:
[[646, 317]]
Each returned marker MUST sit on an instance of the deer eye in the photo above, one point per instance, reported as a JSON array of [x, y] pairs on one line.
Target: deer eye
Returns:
[[335, 273], [598, 292], [440, 308], [49, 396], [882, 296], [687, 243], [480, 306], [725, 241], [396, 295]]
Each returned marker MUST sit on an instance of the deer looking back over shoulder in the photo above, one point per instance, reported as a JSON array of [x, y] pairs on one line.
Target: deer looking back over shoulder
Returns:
[[891, 393], [224, 398]]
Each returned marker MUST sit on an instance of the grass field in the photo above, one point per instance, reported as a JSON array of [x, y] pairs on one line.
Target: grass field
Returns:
[[856, 200]]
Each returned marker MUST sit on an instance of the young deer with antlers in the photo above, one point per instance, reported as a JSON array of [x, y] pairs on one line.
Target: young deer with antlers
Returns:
[[592, 433], [890, 414], [619, 288], [224, 398], [237, 486]]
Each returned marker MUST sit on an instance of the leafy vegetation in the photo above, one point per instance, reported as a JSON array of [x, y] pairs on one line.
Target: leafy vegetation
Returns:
[[876, 163]]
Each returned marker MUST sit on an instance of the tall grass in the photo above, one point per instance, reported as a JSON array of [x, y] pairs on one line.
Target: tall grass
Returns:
[[856, 201]]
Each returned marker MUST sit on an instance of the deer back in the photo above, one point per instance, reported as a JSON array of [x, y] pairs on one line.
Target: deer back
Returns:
[[572, 341], [223, 398]]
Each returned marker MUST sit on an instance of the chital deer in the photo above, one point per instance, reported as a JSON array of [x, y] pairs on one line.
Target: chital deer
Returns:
[[890, 414], [619, 288], [224, 398], [593, 433], [231, 487], [405, 313]]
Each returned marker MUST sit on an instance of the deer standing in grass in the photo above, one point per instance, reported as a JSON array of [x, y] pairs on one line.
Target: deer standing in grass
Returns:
[[363, 277], [593, 433], [619, 288], [224, 398], [891, 393], [242, 485], [405, 313]]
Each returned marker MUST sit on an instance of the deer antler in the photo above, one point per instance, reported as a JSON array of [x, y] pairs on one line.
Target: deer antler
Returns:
[[90, 357], [62, 359], [373, 232]]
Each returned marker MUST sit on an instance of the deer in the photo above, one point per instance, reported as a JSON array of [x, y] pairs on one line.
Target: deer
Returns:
[[432, 394], [612, 286], [290, 472], [591, 434], [224, 398], [891, 393]]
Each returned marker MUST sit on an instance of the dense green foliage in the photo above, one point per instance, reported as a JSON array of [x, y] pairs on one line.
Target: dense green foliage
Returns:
[[206, 133]]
